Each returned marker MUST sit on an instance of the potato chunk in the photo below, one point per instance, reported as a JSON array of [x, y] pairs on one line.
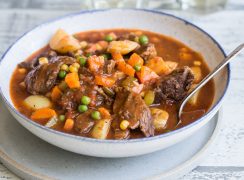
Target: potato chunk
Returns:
[[37, 102], [63, 42], [101, 129], [197, 73], [122, 47], [194, 98], [160, 118]]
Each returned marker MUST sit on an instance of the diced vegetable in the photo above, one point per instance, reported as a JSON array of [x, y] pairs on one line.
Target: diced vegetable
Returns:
[[172, 65], [53, 121], [62, 74], [101, 129], [143, 39], [73, 69], [126, 68], [122, 47], [194, 98], [83, 44], [96, 115], [82, 61], [108, 38], [197, 63], [184, 56], [44, 113], [146, 74], [135, 59], [117, 57], [158, 65], [85, 100], [43, 60], [160, 118], [95, 63], [149, 97], [37, 102], [137, 68], [65, 67], [63, 42], [109, 91], [77, 65], [197, 73], [82, 108], [124, 125], [61, 118], [104, 112], [69, 124], [56, 94], [72, 80], [104, 81], [22, 70]]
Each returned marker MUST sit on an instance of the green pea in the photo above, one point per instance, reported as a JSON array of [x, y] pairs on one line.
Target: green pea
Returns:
[[62, 118], [108, 38], [82, 61], [88, 54], [62, 74], [143, 39], [96, 115], [137, 67], [82, 108], [106, 56], [85, 100]]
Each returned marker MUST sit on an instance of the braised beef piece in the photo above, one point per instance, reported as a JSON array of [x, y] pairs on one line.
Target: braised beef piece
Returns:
[[84, 123], [131, 106], [174, 86], [147, 51], [42, 78], [109, 66], [33, 63], [68, 100], [104, 97], [127, 36]]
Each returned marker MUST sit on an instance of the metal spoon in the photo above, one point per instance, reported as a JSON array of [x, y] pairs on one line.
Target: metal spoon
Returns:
[[207, 78]]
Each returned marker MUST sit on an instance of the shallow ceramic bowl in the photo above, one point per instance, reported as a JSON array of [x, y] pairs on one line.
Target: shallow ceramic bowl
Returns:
[[157, 22]]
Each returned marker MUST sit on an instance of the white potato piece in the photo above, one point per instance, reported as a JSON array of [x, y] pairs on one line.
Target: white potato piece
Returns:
[[37, 102], [160, 118], [197, 73], [63, 42], [122, 47], [101, 129], [194, 98]]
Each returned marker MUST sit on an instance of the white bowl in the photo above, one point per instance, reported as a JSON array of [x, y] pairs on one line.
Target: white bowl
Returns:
[[154, 21]]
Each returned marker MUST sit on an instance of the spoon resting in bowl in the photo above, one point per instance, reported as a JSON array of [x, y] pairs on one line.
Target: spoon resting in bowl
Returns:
[[207, 79]]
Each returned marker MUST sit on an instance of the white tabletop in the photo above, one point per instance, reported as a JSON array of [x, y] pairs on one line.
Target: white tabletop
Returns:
[[226, 157]]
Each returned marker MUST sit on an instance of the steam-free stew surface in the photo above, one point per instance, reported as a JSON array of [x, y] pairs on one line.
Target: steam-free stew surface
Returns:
[[95, 44]]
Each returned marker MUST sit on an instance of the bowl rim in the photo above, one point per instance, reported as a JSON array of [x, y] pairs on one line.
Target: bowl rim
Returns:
[[76, 137]]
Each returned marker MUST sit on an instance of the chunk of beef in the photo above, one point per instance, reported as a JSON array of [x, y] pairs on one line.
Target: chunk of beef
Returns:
[[83, 123], [174, 86], [68, 100], [42, 78], [29, 65], [132, 107], [127, 36], [147, 51]]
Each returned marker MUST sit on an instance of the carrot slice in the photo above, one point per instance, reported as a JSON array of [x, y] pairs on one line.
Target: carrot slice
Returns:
[[72, 80], [135, 59], [56, 94], [146, 74], [69, 124], [105, 113], [104, 81], [44, 113]]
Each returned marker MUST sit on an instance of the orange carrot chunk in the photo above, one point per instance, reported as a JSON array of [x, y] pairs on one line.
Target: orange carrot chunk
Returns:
[[104, 112], [72, 80], [135, 59], [56, 94], [44, 113], [146, 74], [104, 81], [69, 124]]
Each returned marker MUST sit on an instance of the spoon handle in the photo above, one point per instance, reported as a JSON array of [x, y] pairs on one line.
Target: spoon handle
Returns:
[[209, 76]]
